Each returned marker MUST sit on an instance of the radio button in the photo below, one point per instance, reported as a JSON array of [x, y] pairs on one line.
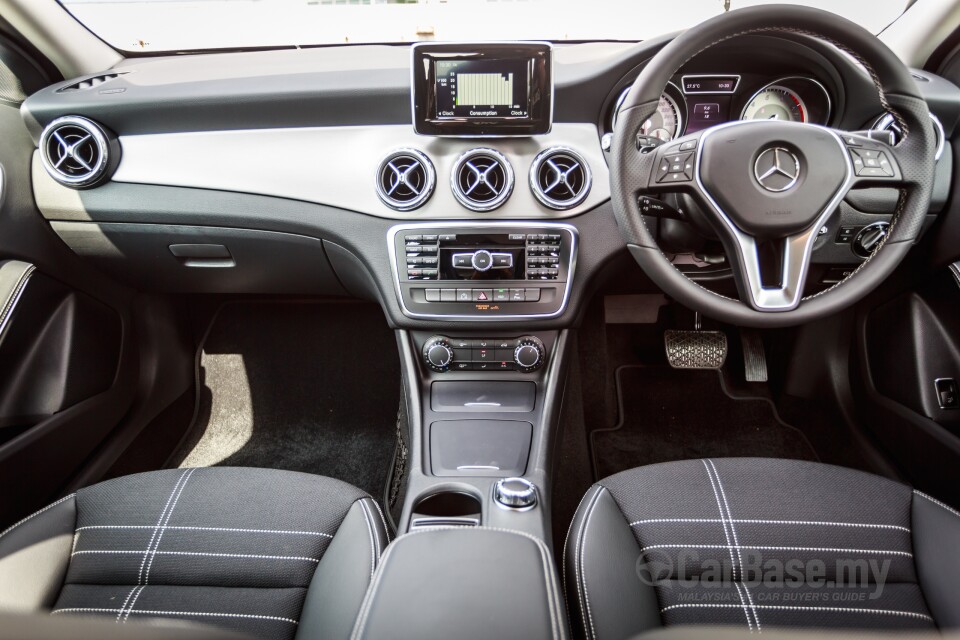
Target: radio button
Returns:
[[448, 295], [430, 238], [464, 295], [517, 295], [448, 237], [501, 295], [531, 295], [482, 260], [517, 236], [463, 260], [433, 295], [412, 239], [502, 261]]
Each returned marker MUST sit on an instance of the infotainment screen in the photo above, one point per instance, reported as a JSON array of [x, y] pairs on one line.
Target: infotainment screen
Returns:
[[495, 89]]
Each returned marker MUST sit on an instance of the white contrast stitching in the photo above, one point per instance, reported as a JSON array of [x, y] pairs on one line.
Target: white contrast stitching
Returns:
[[786, 522], [178, 613], [773, 548], [34, 515], [792, 608], [578, 568], [223, 529], [566, 540], [146, 576], [253, 556], [376, 534], [938, 503], [132, 603], [583, 573], [383, 520], [373, 559], [730, 550], [736, 541]]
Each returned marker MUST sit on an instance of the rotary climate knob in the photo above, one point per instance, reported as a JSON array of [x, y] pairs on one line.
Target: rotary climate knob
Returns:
[[438, 354], [529, 354]]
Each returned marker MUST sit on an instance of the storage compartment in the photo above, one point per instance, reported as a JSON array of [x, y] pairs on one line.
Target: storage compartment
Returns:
[[477, 396], [447, 509], [464, 583], [479, 447], [185, 259]]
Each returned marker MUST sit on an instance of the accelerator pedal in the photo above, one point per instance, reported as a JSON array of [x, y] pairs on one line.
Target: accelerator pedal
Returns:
[[695, 349], [754, 357]]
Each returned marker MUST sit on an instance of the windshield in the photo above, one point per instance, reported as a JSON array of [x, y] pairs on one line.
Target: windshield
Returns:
[[189, 25]]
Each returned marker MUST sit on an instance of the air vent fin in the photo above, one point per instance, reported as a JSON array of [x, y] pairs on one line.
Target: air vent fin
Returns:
[[560, 178], [405, 179], [89, 83], [482, 179], [75, 151]]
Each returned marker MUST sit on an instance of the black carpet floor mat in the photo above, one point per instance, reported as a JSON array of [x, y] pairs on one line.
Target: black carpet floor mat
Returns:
[[668, 414], [303, 387]]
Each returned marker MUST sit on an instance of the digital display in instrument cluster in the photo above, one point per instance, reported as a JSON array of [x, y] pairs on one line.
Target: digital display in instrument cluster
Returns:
[[706, 111], [483, 88]]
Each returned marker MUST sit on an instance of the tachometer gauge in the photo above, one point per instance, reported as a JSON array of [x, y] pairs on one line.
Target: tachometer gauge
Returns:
[[776, 102], [666, 123]]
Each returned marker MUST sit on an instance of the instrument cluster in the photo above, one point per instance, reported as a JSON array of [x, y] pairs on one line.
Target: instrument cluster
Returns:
[[691, 103]]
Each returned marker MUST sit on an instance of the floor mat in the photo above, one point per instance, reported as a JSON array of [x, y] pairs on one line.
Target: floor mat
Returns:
[[667, 414], [304, 387]]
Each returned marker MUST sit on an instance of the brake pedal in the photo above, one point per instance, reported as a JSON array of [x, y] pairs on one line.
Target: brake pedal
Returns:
[[695, 349], [754, 356]]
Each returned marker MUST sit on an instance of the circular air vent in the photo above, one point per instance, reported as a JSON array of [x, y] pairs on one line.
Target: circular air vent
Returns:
[[560, 178], [405, 179], [482, 179], [75, 151], [887, 122]]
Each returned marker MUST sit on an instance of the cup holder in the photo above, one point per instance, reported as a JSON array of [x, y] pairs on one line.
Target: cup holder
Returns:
[[446, 509]]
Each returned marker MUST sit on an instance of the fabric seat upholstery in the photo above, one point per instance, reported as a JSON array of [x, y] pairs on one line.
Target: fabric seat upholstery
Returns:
[[261, 551], [759, 543]]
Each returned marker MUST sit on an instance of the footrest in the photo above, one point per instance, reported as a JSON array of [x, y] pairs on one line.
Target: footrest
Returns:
[[696, 349]]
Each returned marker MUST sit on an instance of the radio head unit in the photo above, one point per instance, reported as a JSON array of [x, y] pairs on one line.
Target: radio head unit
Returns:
[[495, 271], [495, 89]]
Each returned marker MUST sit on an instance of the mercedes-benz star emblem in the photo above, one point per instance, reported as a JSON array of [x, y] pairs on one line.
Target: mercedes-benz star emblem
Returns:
[[777, 169]]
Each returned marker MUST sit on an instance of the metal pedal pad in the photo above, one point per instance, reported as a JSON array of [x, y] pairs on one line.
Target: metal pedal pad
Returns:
[[754, 356], [696, 349]]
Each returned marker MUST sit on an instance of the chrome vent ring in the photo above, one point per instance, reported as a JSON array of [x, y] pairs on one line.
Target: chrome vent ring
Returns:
[[482, 179], [406, 179], [560, 178], [75, 151]]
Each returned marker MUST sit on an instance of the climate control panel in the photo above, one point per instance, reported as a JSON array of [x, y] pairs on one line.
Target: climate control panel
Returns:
[[525, 354]]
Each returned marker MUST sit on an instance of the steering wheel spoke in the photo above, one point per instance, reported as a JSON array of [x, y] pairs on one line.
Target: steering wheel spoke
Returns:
[[771, 274]]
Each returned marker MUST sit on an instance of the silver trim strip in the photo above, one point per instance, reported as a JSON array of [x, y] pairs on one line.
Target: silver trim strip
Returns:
[[6, 311], [683, 80], [467, 227], [334, 166], [797, 248]]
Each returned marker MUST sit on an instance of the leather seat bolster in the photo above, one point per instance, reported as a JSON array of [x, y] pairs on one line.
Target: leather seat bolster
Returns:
[[338, 587], [605, 598], [936, 532], [34, 556]]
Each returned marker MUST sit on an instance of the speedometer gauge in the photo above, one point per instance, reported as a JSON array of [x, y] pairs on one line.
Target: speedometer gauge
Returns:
[[776, 102], [666, 123]]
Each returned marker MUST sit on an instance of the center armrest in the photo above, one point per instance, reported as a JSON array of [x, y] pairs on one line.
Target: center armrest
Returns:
[[464, 583]]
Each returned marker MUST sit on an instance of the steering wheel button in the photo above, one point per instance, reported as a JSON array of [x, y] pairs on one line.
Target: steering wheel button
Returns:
[[688, 145]]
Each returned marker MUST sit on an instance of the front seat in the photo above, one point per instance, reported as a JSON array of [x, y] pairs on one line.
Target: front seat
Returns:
[[759, 543], [269, 553]]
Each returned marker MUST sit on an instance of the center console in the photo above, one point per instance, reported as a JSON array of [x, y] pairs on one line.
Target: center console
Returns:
[[483, 271]]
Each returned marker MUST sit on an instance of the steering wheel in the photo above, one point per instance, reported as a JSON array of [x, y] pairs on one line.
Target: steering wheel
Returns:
[[767, 187]]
